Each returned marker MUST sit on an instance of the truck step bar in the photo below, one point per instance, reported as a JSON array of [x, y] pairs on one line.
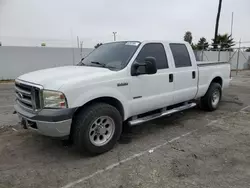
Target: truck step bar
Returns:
[[163, 113]]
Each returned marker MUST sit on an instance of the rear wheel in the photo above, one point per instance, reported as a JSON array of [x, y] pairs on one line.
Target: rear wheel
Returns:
[[212, 98], [97, 128]]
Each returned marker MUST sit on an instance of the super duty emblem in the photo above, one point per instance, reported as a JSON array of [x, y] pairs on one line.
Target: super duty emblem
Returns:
[[122, 84]]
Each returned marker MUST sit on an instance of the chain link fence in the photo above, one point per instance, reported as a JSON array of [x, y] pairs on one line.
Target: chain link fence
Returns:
[[238, 57]]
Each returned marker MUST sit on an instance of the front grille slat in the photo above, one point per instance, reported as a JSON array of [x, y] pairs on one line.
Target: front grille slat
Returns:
[[24, 100], [18, 89], [24, 106], [28, 96]]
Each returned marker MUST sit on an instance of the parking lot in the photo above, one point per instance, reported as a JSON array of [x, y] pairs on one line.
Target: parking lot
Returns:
[[188, 149]]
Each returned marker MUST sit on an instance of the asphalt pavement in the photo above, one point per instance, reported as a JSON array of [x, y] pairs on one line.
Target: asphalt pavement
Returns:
[[188, 149]]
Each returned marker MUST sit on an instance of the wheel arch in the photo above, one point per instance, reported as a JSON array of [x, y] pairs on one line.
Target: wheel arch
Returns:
[[106, 99], [218, 80], [206, 84], [214, 79]]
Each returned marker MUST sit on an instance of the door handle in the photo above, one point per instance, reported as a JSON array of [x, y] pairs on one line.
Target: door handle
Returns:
[[193, 74], [171, 77]]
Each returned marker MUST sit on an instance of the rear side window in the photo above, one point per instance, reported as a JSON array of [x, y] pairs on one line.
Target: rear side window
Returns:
[[181, 55], [155, 50]]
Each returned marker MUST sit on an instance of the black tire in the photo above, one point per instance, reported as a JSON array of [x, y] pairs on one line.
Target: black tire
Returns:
[[83, 122], [206, 101]]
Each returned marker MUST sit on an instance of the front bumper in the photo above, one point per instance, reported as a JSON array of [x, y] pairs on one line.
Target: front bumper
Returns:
[[48, 122]]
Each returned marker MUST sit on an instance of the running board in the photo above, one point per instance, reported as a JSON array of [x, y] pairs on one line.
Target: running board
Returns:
[[158, 115]]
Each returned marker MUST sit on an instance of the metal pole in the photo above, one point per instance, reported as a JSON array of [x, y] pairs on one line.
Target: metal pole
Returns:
[[202, 52], [77, 42], [231, 34], [219, 53], [114, 33], [238, 57], [230, 55], [72, 43], [81, 48], [232, 22]]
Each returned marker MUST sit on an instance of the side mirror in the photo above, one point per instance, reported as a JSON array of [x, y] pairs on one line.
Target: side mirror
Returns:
[[150, 65], [147, 67]]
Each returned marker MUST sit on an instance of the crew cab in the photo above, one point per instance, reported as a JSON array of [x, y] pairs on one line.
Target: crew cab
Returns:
[[118, 84]]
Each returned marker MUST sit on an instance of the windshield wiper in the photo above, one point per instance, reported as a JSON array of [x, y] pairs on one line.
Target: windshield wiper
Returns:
[[98, 63], [80, 64], [102, 65]]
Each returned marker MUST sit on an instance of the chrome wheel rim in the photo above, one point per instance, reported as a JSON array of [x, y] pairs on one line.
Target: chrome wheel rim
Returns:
[[101, 130], [215, 98]]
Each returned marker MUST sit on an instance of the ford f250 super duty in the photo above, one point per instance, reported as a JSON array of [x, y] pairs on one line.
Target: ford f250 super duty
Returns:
[[118, 84]]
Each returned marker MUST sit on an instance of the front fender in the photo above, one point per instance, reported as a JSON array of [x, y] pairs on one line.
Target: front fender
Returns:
[[99, 92]]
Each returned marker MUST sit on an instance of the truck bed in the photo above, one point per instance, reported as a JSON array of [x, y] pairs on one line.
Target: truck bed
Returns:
[[207, 71]]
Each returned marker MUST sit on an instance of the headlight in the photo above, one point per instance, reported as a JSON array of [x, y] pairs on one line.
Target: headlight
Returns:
[[54, 99]]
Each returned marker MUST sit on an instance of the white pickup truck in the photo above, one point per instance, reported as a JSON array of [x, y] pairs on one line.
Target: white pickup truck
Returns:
[[119, 83]]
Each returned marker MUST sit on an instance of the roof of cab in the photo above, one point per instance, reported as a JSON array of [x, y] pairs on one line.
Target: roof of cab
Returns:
[[164, 41], [151, 41]]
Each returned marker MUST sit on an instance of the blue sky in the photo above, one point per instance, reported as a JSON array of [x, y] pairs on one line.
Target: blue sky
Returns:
[[58, 22]]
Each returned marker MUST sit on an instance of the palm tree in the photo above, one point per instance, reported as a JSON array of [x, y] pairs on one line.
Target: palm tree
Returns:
[[188, 37], [202, 44], [225, 41], [217, 23]]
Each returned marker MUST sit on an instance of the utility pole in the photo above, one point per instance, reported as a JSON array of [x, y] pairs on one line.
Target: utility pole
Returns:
[[232, 22], [72, 43], [78, 44], [114, 33], [217, 22], [231, 34]]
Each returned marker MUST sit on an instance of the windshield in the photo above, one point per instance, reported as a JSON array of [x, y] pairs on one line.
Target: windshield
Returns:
[[114, 56]]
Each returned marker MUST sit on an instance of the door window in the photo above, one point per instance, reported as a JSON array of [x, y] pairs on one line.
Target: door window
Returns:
[[181, 55], [155, 50]]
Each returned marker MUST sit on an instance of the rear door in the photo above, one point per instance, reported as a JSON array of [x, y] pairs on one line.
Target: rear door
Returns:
[[150, 92], [185, 73]]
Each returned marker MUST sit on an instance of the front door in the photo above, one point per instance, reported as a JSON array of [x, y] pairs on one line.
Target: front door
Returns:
[[151, 92]]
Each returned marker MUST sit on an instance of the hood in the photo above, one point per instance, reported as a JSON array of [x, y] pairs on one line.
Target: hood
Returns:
[[54, 78]]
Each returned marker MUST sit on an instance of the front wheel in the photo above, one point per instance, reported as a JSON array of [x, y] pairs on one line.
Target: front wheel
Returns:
[[212, 98], [97, 128]]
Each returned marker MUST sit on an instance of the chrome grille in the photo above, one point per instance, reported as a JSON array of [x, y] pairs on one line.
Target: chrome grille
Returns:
[[28, 96]]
